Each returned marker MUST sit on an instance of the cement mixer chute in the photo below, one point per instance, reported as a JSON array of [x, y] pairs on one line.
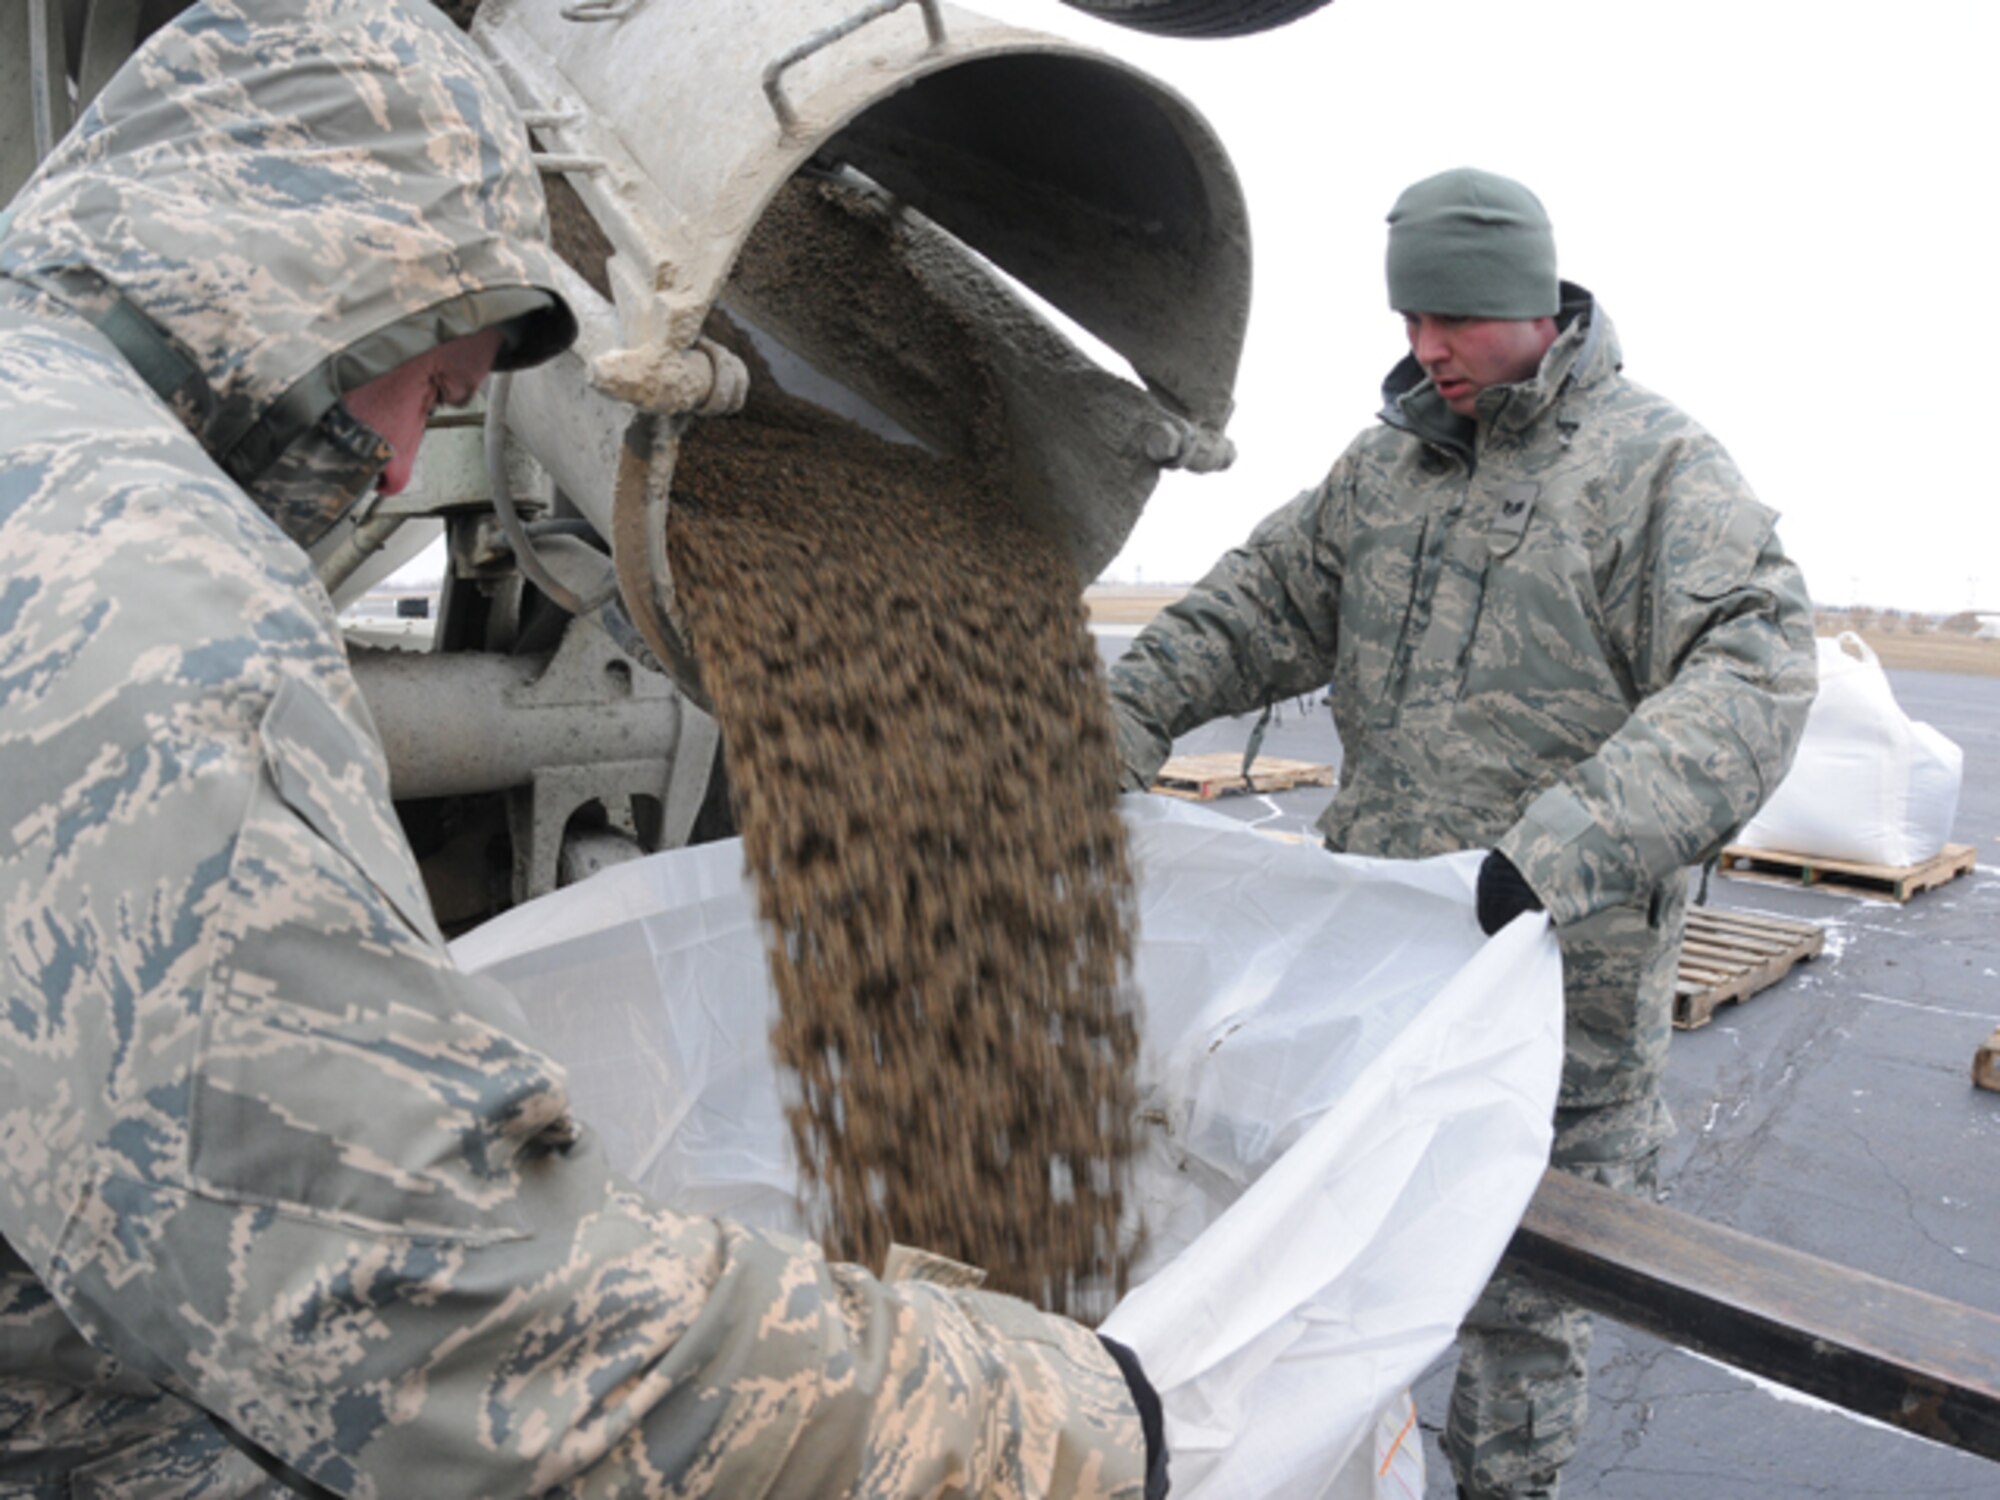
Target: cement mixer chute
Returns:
[[929, 168]]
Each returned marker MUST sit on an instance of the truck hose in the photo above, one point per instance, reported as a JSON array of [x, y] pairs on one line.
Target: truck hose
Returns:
[[529, 560]]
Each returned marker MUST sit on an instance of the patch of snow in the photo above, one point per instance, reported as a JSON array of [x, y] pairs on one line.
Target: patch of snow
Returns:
[[1931, 1010], [1799, 1398]]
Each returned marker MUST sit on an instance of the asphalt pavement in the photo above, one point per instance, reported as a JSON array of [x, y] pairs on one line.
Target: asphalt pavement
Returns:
[[1833, 1113]]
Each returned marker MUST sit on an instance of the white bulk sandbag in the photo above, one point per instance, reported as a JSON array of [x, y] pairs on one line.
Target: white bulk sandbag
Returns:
[[1346, 1094], [1870, 784]]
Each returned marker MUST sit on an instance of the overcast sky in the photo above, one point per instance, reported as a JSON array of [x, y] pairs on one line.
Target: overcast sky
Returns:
[[1788, 209]]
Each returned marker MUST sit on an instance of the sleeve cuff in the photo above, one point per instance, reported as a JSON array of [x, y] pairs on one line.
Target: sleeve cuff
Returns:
[[1543, 847]]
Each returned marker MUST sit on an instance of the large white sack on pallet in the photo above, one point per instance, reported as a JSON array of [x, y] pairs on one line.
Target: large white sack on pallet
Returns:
[[1347, 1094], [1870, 784]]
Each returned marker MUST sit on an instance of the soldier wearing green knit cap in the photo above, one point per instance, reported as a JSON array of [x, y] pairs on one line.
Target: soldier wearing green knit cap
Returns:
[[1560, 628]]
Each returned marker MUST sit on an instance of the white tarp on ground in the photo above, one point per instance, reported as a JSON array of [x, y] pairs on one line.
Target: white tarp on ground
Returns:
[[1870, 784], [1348, 1094]]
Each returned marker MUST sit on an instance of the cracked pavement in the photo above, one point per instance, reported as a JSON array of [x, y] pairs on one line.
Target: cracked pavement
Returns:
[[1833, 1113]]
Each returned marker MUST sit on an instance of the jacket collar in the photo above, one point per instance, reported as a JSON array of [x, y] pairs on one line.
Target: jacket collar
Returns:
[[1585, 353]]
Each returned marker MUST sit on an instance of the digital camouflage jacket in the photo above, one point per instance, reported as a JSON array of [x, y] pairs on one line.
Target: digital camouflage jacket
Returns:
[[1566, 631], [263, 1150]]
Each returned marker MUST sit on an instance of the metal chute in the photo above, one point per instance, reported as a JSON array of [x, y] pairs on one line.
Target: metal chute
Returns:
[[995, 169]]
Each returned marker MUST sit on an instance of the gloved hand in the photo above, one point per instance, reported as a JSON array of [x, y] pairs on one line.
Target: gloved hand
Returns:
[[1152, 1422], [1502, 894]]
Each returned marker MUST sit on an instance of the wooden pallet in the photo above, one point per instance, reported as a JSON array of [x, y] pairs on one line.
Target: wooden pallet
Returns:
[[1986, 1063], [1897, 882], [1730, 955], [1203, 778]]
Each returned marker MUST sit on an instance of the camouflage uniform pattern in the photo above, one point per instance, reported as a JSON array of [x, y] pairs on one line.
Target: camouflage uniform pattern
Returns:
[[263, 1151], [1565, 630]]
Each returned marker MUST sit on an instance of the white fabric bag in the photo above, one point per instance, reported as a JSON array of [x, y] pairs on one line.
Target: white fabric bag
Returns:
[[1348, 1093], [1870, 784]]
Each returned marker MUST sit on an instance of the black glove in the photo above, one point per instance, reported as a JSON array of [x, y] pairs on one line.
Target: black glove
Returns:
[[1502, 894], [1151, 1420]]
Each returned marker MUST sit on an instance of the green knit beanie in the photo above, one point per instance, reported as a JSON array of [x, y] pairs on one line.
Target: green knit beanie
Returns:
[[1471, 244]]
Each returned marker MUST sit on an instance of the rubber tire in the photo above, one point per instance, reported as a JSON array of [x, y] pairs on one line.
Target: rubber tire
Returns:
[[1197, 18]]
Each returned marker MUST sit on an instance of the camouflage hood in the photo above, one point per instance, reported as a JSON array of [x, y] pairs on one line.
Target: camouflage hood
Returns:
[[277, 200]]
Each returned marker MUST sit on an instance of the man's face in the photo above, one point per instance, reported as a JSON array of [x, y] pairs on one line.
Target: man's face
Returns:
[[1463, 356], [397, 405]]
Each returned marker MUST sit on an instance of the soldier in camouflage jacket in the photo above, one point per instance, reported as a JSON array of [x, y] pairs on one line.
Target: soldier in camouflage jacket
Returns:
[[1558, 626], [264, 1153]]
